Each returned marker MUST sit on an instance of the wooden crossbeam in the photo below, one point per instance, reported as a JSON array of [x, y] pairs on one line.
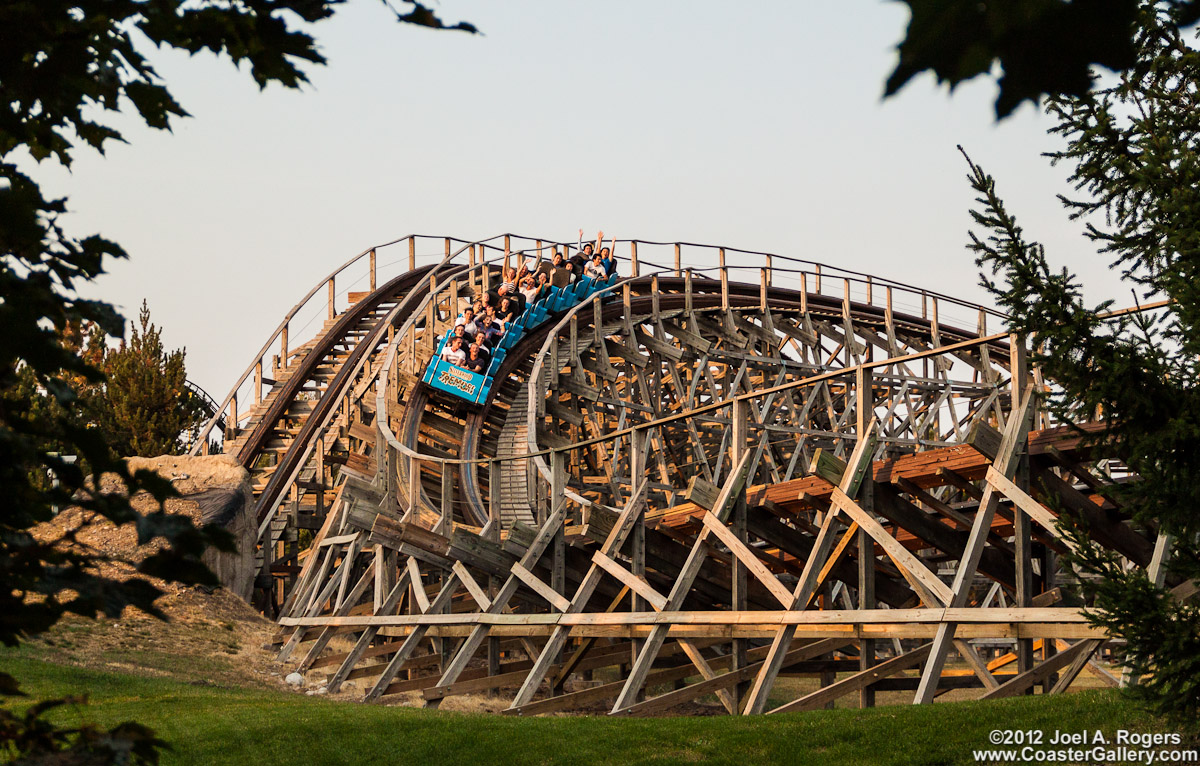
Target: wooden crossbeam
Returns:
[[852, 477], [389, 603], [859, 680], [730, 490], [723, 681], [1007, 455], [1022, 681], [630, 515]]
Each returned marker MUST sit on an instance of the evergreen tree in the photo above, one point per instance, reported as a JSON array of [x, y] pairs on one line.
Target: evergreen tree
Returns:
[[147, 406], [1134, 152]]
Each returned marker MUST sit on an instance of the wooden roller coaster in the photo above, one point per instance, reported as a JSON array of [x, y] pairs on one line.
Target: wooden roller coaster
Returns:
[[723, 469]]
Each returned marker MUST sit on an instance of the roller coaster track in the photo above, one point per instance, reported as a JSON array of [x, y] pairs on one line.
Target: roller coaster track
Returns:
[[709, 440]]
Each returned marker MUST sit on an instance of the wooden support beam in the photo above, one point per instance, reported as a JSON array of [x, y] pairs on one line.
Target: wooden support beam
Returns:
[[859, 680], [733, 486], [1022, 681], [860, 461], [1007, 457]]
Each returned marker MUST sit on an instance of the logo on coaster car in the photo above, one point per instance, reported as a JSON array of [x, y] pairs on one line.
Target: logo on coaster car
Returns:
[[456, 378]]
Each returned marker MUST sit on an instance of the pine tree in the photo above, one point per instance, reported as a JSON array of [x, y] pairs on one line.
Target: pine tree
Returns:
[[147, 406], [1134, 151]]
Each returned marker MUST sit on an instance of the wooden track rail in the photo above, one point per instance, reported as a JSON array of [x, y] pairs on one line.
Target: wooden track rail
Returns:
[[761, 487]]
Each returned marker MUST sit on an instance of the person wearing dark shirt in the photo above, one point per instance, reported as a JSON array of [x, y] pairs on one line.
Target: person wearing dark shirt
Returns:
[[578, 261], [476, 362], [507, 312], [481, 340]]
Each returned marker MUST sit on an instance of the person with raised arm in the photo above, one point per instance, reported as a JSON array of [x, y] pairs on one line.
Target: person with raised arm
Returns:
[[608, 256]]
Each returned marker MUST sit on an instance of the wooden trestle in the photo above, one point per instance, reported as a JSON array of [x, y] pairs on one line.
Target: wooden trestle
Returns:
[[685, 487]]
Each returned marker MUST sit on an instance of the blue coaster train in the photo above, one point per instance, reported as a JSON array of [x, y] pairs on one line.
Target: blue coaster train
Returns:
[[474, 387]]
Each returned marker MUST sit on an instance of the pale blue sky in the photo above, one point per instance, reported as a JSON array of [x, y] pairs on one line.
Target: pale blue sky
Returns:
[[757, 126]]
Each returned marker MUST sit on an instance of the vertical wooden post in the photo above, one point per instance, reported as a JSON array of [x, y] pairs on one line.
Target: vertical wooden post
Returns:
[[626, 304], [654, 294], [447, 517], [866, 545], [258, 382], [412, 253], [633, 259], [741, 434], [231, 426], [762, 290], [637, 538], [724, 281], [414, 486], [507, 251], [817, 284], [493, 659], [558, 564], [372, 269], [687, 291], [1022, 524], [494, 500], [320, 477], [870, 291], [431, 315], [472, 278], [803, 293], [678, 262], [332, 297]]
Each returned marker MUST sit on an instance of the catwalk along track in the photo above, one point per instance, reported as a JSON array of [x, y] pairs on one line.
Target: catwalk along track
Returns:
[[715, 473]]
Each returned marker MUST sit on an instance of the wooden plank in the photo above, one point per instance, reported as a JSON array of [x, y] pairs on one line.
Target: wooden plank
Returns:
[[1037, 674], [859, 680], [897, 552], [1031, 507], [542, 589], [665, 702], [1007, 456], [472, 586], [860, 460], [626, 578], [751, 562]]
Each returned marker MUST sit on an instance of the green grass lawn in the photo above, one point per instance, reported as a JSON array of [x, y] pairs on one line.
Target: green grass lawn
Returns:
[[214, 725]]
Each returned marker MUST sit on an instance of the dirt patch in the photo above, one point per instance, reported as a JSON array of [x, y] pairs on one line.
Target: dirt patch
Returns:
[[210, 636]]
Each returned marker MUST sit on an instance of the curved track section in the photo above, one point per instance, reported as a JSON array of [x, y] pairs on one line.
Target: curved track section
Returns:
[[703, 477]]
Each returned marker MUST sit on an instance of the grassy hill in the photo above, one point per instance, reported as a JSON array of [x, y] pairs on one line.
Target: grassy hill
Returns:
[[221, 722]]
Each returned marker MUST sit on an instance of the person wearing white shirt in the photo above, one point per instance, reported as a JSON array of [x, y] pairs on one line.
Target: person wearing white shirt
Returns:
[[467, 320], [595, 268], [453, 353]]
